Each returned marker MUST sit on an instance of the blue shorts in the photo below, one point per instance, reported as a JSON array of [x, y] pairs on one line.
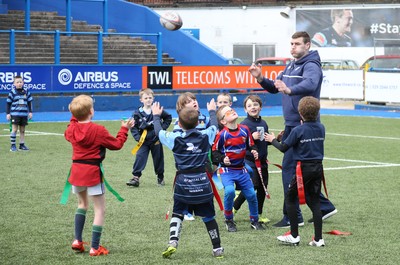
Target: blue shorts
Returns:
[[239, 177], [203, 209]]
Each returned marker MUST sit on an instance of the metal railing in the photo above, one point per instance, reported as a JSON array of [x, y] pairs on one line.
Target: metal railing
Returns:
[[57, 33], [69, 13]]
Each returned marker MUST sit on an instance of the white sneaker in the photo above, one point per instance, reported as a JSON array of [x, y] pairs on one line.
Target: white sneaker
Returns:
[[326, 216], [218, 253], [289, 239], [320, 243], [188, 217]]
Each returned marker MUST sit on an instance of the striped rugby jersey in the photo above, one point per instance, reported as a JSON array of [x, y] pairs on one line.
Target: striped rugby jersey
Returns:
[[19, 102], [234, 143]]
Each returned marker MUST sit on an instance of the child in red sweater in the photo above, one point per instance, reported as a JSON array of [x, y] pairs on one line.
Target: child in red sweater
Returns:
[[89, 143]]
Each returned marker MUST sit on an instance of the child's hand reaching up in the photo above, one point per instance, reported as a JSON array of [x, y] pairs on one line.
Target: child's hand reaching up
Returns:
[[156, 109], [269, 137], [211, 105], [128, 123]]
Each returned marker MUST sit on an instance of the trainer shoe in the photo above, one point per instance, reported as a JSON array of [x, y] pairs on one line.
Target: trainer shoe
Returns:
[[218, 252], [320, 243], [13, 148], [133, 182], [289, 239], [160, 182], [324, 216], [285, 224], [263, 220], [78, 245], [188, 217], [23, 147], [230, 225], [257, 226], [171, 249], [98, 252]]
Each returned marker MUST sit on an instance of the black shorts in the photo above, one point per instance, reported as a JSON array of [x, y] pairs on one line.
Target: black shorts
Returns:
[[203, 210], [19, 120]]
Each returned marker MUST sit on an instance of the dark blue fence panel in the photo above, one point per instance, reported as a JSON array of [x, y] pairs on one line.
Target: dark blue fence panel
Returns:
[[128, 17]]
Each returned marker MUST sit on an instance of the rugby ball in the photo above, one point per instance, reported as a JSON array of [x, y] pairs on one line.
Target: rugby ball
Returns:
[[171, 20]]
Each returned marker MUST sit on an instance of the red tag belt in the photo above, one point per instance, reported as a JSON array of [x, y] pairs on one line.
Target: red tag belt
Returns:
[[300, 184]]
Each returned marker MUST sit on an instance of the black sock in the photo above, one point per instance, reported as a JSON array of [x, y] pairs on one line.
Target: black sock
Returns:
[[80, 217], [96, 234], [213, 232]]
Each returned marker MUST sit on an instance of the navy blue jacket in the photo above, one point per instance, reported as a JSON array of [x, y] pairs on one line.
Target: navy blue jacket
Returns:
[[253, 123], [304, 78], [145, 121], [307, 141]]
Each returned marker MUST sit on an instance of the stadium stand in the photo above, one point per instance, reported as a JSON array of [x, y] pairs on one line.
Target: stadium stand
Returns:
[[75, 49]]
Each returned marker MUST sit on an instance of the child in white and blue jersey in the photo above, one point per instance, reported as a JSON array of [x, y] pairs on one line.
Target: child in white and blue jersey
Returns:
[[19, 110], [188, 99], [193, 187]]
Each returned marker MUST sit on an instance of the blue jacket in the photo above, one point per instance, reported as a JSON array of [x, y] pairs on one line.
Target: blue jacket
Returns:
[[304, 78]]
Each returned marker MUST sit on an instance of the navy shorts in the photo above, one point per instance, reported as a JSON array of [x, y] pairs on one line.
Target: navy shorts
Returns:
[[203, 209], [19, 120]]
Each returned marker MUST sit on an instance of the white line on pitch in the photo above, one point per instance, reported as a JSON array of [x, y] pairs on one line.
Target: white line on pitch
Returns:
[[353, 135], [357, 161], [350, 167], [34, 133], [366, 166], [364, 136], [45, 133]]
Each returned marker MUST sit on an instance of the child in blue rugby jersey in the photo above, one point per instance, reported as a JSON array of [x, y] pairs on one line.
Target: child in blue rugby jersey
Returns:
[[19, 110], [189, 100], [193, 188]]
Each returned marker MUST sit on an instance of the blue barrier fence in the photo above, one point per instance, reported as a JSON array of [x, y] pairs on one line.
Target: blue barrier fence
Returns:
[[124, 16], [56, 34], [69, 12]]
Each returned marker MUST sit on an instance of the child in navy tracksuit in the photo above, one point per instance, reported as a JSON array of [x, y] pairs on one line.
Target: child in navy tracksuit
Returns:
[[307, 141], [144, 126], [193, 190]]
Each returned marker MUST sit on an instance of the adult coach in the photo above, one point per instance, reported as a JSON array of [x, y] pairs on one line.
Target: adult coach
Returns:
[[302, 77], [336, 35]]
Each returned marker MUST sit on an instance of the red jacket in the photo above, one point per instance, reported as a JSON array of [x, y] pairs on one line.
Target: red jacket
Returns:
[[89, 143]]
